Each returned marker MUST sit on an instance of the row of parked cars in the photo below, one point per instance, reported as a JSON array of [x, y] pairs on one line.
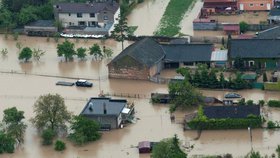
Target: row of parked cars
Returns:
[[78, 83]]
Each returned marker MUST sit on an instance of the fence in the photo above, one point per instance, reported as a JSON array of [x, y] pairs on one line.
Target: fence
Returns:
[[206, 39], [103, 77], [128, 95]]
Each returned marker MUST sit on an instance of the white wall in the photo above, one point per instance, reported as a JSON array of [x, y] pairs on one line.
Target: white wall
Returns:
[[65, 18]]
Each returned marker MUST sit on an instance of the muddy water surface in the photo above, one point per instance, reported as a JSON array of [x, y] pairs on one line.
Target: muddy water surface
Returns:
[[22, 90], [147, 16]]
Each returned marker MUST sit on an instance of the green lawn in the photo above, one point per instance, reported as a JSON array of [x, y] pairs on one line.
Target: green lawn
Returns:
[[174, 13]]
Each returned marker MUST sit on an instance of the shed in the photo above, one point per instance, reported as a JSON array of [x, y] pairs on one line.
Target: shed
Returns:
[[219, 58], [232, 29], [144, 147], [40, 28]]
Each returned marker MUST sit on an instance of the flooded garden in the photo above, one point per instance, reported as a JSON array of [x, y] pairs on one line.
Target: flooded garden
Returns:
[[22, 83]]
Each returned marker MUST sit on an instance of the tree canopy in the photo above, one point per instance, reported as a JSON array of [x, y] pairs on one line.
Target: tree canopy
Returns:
[[66, 49], [121, 30], [95, 50], [84, 130], [25, 54], [50, 112], [183, 94], [168, 148], [13, 123]]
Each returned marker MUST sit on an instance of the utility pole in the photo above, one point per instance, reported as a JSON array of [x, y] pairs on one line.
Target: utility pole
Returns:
[[251, 138]]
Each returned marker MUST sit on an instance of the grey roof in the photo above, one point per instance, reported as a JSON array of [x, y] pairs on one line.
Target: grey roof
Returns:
[[93, 7], [188, 52], [147, 51], [41, 23], [231, 111], [113, 106], [272, 33], [255, 48], [179, 41], [274, 12]]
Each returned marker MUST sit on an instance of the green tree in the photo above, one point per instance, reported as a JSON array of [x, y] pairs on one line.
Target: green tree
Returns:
[[253, 154], [228, 41], [81, 53], [238, 63], [66, 49], [95, 50], [59, 145], [264, 77], [37, 54], [249, 102], [107, 52], [278, 151], [27, 14], [183, 94], [196, 78], [25, 54], [121, 30], [13, 123], [222, 81], [185, 72], [6, 19], [7, 143], [241, 102], [84, 130], [48, 135], [4, 51], [15, 35], [261, 102], [212, 79], [243, 26], [168, 148], [50, 112]]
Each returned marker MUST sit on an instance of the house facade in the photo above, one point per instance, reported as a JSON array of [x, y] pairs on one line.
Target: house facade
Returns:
[[99, 15], [219, 6], [255, 53], [255, 5], [274, 16], [107, 112]]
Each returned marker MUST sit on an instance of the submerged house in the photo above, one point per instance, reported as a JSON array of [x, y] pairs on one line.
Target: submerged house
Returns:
[[40, 28], [256, 53], [146, 58], [272, 33], [109, 113], [141, 60]]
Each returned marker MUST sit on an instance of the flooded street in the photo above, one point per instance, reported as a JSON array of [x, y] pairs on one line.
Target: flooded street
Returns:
[[22, 90], [147, 16]]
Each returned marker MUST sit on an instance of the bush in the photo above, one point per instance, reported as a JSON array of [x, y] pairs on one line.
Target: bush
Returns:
[[261, 102], [271, 124], [264, 77], [243, 26], [273, 103], [249, 102], [59, 145], [48, 136]]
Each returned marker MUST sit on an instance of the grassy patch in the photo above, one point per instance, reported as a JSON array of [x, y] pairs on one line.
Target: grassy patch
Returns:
[[272, 86], [174, 13]]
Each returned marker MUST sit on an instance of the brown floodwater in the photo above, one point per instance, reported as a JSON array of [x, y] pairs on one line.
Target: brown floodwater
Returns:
[[22, 90], [147, 16]]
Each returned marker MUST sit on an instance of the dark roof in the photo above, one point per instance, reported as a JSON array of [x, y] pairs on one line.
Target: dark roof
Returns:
[[255, 48], [179, 41], [41, 23], [95, 106], [274, 12], [94, 7], [231, 111], [272, 33], [147, 51], [188, 52], [211, 100]]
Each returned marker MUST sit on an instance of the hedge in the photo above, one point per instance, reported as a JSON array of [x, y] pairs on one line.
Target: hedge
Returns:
[[272, 86], [226, 123], [273, 103]]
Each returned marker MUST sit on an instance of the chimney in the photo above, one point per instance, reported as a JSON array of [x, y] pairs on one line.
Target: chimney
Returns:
[[90, 107], [104, 108]]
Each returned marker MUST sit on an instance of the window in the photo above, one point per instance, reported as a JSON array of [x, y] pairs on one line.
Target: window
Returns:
[[105, 12], [251, 63], [188, 63], [79, 15], [69, 14], [92, 15], [261, 4], [251, 5], [105, 17], [70, 23], [82, 23]]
